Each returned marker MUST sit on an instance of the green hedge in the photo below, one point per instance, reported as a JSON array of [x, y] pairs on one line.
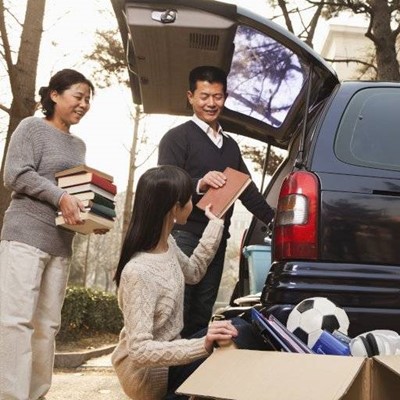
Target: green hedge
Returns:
[[87, 311]]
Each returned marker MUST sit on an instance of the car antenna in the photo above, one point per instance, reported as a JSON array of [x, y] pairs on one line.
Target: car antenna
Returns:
[[265, 166]]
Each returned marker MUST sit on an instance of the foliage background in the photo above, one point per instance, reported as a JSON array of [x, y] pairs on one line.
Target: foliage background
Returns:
[[86, 312]]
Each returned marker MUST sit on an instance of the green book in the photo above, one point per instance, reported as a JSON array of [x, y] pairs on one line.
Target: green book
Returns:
[[101, 210], [91, 197]]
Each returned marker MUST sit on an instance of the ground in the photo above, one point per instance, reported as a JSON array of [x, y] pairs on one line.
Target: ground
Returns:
[[91, 342]]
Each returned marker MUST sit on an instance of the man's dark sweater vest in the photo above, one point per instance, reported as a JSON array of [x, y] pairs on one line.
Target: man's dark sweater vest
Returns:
[[188, 146]]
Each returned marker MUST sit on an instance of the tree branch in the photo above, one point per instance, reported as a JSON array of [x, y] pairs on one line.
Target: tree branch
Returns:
[[396, 31], [352, 60], [288, 22], [358, 7], [313, 23], [6, 44], [4, 108]]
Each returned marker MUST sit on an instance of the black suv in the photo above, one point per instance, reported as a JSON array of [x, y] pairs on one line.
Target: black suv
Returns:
[[337, 193], [337, 225]]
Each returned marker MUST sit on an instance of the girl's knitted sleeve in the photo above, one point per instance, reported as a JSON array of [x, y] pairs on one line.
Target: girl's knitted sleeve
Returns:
[[195, 266]]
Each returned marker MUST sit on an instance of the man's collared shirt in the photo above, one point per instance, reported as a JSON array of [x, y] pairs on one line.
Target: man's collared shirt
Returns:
[[217, 138]]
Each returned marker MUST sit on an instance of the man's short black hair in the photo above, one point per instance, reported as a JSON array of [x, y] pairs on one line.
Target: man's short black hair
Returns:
[[207, 73]]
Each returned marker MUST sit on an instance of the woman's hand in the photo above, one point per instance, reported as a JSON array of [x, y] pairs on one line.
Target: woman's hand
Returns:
[[220, 331], [70, 208]]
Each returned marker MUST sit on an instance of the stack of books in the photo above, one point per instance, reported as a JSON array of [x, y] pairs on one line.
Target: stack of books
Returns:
[[96, 190]]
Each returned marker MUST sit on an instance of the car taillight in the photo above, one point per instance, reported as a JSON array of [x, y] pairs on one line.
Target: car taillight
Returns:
[[295, 228]]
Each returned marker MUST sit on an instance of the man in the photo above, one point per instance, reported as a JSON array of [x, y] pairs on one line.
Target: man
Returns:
[[201, 147]]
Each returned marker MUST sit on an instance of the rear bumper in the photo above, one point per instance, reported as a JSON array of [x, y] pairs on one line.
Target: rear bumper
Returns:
[[370, 294]]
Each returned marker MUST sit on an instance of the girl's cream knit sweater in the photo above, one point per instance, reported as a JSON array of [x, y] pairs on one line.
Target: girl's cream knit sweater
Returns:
[[151, 296]]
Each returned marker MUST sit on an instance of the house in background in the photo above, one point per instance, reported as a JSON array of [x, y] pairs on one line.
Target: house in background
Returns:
[[345, 40]]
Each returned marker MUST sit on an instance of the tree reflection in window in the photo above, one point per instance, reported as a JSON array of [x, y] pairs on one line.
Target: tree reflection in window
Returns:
[[265, 77]]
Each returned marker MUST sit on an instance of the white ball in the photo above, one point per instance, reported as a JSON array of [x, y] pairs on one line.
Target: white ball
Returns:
[[311, 316], [383, 343]]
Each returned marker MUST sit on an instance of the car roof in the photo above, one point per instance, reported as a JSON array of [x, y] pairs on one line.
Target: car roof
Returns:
[[268, 67]]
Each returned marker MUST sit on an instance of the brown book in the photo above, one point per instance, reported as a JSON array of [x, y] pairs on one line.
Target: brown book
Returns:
[[83, 168], [91, 223], [223, 198]]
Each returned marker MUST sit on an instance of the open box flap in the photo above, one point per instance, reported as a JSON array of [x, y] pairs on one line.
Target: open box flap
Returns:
[[392, 362], [385, 382], [263, 375]]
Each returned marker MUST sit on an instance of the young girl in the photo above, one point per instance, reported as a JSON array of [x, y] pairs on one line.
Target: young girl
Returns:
[[151, 360]]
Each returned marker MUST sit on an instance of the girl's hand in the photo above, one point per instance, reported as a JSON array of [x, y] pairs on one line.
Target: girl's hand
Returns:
[[208, 212], [220, 331]]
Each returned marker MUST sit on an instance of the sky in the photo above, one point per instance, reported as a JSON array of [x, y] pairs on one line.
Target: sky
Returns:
[[69, 29]]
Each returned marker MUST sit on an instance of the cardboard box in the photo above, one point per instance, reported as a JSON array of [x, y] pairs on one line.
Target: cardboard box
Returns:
[[270, 375]]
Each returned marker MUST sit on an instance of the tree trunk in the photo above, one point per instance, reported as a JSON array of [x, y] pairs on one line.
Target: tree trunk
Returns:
[[131, 177], [22, 76], [384, 40], [86, 265]]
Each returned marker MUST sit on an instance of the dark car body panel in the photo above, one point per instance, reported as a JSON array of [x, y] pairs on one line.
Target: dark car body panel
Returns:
[[370, 294], [360, 206], [358, 263]]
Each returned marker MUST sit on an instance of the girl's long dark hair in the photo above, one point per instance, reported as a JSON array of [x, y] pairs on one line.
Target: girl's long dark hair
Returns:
[[158, 190]]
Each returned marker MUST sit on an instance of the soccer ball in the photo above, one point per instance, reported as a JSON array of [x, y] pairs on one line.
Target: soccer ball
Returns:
[[313, 315]]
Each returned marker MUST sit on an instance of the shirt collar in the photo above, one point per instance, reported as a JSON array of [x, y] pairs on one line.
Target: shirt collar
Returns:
[[205, 127]]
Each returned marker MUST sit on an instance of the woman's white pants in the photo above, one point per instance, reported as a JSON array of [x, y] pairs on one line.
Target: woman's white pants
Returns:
[[32, 291]]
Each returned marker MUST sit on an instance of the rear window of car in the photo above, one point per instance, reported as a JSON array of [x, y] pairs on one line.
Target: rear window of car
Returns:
[[369, 134], [265, 78]]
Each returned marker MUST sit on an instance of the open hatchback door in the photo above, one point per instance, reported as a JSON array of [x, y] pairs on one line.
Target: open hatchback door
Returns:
[[271, 72]]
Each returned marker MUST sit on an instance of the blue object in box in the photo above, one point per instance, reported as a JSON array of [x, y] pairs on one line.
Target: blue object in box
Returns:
[[329, 344], [259, 261]]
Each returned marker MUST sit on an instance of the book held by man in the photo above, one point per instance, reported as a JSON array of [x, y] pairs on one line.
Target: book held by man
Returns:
[[221, 199]]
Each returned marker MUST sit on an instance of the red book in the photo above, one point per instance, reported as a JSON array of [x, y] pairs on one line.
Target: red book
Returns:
[[87, 177], [221, 199]]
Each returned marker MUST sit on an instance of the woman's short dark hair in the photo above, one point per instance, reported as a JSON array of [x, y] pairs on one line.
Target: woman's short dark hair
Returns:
[[207, 73], [158, 190], [60, 82]]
